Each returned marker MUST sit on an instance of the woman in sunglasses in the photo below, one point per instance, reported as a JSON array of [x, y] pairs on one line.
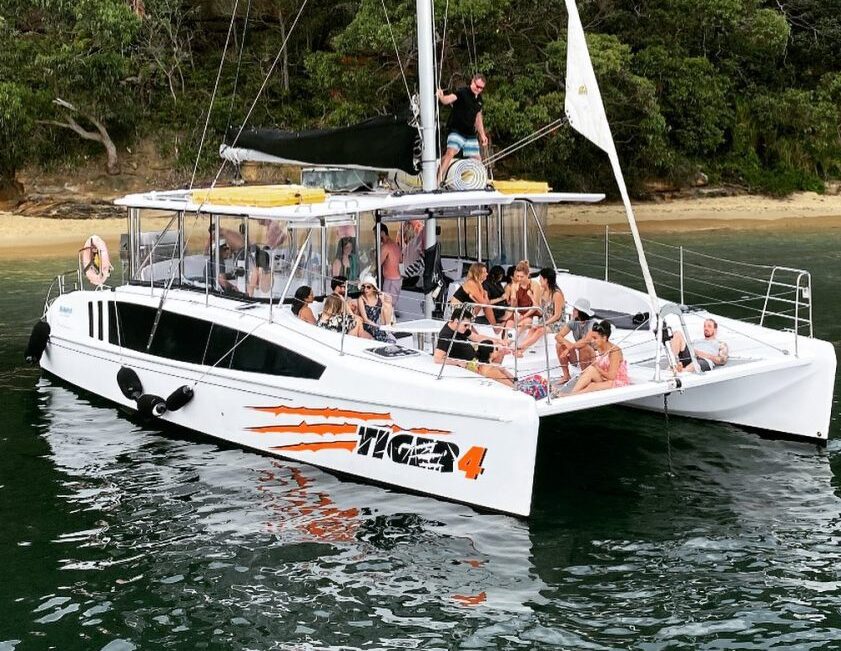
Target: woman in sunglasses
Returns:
[[375, 309], [609, 368]]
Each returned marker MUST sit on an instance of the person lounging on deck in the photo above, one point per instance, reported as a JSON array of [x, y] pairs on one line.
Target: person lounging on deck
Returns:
[[609, 369]]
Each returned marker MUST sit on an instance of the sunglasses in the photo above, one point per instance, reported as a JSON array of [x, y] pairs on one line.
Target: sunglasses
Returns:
[[368, 287]]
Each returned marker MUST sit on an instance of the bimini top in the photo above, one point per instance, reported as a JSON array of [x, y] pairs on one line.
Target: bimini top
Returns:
[[311, 204]]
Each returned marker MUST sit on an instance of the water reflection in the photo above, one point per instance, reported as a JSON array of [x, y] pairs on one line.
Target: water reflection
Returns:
[[219, 540]]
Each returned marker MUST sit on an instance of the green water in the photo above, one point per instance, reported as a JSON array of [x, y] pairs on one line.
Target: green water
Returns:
[[115, 536]]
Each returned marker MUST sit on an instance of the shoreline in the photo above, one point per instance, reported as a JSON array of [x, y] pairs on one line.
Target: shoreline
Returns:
[[24, 236]]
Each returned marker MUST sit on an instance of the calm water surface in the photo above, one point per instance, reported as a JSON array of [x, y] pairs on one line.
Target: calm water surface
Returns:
[[116, 536]]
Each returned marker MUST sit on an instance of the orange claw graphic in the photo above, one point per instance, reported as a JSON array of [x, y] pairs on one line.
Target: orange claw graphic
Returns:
[[319, 429], [328, 412], [316, 447]]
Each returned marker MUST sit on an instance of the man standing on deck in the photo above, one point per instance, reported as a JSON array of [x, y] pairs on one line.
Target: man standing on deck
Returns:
[[464, 124], [390, 265]]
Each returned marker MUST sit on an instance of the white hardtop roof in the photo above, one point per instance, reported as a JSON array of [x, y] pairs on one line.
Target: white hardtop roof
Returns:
[[340, 205]]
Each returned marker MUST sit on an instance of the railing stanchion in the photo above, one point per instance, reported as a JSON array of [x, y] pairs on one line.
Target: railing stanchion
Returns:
[[546, 350], [682, 301], [606, 251]]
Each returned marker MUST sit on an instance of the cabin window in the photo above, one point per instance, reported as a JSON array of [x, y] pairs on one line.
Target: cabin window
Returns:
[[196, 341]]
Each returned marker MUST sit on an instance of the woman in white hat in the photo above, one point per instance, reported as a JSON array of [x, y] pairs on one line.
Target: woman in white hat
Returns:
[[579, 351], [375, 309]]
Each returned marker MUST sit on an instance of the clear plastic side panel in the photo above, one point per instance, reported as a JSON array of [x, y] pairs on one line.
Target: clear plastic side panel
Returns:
[[154, 246], [512, 218], [271, 253], [304, 246], [493, 238], [539, 255], [344, 255], [196, 270], [367, 246], [227, 238]]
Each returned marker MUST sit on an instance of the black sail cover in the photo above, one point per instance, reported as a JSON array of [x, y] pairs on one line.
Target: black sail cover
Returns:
[[385, 142]]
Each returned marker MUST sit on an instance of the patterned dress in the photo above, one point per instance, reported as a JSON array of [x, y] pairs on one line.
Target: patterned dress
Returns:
[[373, 313]]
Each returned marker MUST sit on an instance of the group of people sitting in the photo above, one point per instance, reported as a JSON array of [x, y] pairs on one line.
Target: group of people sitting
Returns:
[[361, 317], [582, 340], [503, 302]]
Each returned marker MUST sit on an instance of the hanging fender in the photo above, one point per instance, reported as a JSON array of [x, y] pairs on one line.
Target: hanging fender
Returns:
[[180, 397], [129, 383], [37, 342], [151, 406]]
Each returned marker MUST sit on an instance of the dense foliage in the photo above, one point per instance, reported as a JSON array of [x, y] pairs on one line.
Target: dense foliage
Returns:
[[746, 91]]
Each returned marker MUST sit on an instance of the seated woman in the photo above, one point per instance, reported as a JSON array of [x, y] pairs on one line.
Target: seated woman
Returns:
[[520, 293], [346, 262], [473, 291], [454, 347], [301, 304], [609, 369], [375, 310], [552, 302], [335, 317], [496, 292], [578, 351]]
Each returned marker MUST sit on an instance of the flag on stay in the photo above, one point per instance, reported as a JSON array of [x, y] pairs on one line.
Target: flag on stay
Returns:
[[583, 104], [585, 112]]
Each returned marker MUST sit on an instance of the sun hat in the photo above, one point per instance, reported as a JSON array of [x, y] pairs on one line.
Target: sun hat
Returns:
[[368, 280], [582, 305]]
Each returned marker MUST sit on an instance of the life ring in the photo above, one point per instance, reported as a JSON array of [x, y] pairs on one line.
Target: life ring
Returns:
[[95, 261]]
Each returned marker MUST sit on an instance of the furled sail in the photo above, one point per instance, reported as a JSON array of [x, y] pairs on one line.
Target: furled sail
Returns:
[[380, 143], [585, 112]]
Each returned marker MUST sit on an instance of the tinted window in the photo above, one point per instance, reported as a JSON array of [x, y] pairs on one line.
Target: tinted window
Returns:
[[196, 341]]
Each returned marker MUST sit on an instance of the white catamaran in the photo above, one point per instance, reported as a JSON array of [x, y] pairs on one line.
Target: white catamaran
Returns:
[[201, 333]]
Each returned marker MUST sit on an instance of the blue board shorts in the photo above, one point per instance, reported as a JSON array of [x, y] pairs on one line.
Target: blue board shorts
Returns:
[[468, 146]]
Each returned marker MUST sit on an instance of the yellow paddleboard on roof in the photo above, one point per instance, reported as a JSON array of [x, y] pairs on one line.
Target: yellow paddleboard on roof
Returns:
[[259, 196], [515, 186]]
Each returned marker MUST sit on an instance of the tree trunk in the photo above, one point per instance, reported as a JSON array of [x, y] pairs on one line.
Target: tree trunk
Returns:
[[284, 70], [100, 135], [11, 191]]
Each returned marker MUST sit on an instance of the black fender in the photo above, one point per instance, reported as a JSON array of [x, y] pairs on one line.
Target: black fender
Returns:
[[129, 383], [38, 340]]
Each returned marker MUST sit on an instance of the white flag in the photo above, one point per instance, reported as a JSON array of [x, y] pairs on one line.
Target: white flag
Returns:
[[585, 112], [583, 103]]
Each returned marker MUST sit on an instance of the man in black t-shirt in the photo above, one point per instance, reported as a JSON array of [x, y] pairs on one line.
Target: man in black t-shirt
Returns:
[[456, 346], [464, 124]]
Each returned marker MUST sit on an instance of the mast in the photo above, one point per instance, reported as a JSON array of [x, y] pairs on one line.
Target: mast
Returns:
[[426, 82]]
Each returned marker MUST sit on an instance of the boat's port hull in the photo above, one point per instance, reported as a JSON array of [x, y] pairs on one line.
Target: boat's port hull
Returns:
[[428, 439]]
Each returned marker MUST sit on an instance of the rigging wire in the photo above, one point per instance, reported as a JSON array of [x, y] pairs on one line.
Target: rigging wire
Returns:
[[239, 65], [524, 142], [397, 52], [213, 94]]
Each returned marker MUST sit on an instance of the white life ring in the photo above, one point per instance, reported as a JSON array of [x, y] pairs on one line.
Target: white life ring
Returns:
[[95, 261]]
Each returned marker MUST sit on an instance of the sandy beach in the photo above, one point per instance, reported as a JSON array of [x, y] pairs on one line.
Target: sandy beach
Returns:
[[29, 236]]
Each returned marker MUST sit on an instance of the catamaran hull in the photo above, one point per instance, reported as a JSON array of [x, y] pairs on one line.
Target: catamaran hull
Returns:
[[463, 452], [794, 401]]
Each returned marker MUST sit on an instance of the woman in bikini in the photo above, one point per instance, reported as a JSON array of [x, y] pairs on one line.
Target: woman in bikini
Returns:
[[609, 368]]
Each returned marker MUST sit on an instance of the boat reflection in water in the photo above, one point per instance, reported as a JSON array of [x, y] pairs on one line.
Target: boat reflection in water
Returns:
[[244, 529]]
